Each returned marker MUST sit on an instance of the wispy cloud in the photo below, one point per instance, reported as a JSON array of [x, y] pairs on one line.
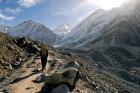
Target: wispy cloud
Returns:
[[28, 3], [10, 13], [75, 10], [13, 11], [6, 17]]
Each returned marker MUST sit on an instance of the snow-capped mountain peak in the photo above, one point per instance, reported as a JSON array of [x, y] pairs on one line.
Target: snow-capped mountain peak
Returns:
[[34, 31], [62, 29], [63, 26]]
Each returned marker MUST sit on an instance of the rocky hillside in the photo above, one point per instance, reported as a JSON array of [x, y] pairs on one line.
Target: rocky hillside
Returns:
[[118, 48], [10, 53]]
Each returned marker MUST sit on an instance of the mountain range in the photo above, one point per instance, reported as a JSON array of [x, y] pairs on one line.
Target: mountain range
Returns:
[[97, 23], [93, 28], [31, 30], [118, 27]]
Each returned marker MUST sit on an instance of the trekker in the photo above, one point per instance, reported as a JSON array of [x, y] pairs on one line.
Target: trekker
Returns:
[[44, 56]]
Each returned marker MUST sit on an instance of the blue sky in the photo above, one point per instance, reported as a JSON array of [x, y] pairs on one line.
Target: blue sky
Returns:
[[50, 12]]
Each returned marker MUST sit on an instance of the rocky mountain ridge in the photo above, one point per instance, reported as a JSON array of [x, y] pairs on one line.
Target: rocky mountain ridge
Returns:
[[32, 30]]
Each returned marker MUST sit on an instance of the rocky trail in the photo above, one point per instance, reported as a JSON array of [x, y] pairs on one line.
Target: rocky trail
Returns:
[[21, 72], [93, 79], [25, 84]]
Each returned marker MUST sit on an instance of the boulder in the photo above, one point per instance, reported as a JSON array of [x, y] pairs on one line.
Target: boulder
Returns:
[[40, 79], [16, 64], [70, 76], [61, 89], [19, 59], [33, 49], [10, 67], [67, 76], [22, 42], [52, 66], [53, 79], [11, 48], [73, 64], [7, 66], [36, 70], [5, 91], [2, 78], [31, 65]]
